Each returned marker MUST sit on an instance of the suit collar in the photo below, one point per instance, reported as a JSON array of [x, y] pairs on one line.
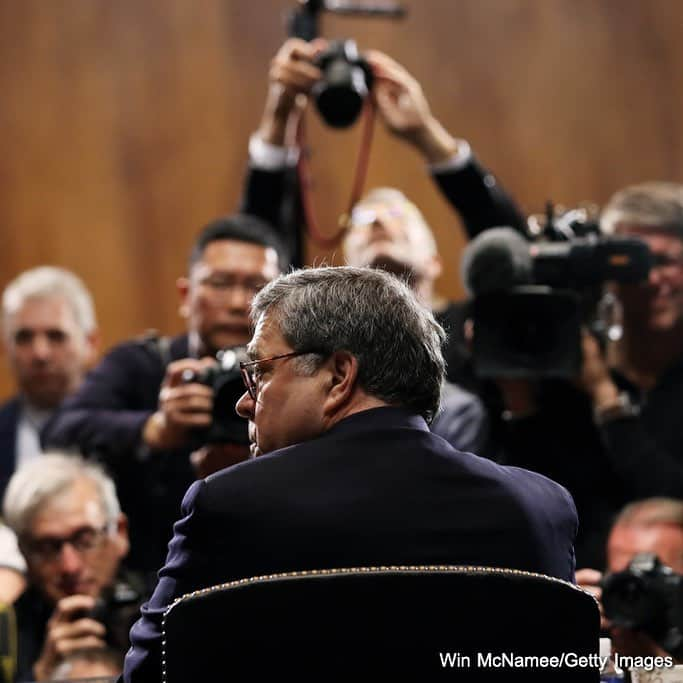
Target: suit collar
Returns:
[[386, 417]]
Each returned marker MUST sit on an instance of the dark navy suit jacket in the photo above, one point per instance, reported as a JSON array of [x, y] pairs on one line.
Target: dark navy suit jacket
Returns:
[[9, 420], [377, 489]]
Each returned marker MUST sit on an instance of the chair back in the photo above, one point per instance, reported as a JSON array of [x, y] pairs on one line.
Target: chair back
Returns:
[[421, 623]]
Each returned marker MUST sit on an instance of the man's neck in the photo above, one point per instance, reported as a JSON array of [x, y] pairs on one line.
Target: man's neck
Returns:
[[358, 404]]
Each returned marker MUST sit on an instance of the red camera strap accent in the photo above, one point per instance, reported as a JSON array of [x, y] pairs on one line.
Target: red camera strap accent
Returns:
[[305, 184]]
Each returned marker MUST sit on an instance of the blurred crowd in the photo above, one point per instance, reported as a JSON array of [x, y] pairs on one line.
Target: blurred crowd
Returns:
[[98, 448]]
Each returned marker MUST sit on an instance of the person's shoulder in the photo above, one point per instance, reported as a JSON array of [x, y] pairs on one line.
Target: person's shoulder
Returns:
[[456, 399], [148, 349], [539, 492], [9, 410]]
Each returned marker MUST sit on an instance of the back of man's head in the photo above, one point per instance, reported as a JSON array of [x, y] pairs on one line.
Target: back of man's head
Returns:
[[652, 205], [373, 316], [239, 227]]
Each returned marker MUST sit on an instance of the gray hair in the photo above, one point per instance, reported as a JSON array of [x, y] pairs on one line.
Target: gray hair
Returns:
[[654, 205], [651, 511], [46, 477], [372, 315], [46, 282]]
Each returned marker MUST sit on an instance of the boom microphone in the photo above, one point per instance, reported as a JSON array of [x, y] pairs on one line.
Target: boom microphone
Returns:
[[497, 259]]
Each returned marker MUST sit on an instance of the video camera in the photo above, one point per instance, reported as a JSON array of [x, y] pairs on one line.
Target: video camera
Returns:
[[533, 293], [225, 379], [647, 596]]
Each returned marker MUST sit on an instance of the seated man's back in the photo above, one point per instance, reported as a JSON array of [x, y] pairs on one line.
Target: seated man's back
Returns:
[[347, 372]]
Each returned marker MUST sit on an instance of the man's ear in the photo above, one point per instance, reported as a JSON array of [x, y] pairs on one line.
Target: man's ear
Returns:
[[434, 267], [182, 285], [122, 541], [343, 377], [93, 340]]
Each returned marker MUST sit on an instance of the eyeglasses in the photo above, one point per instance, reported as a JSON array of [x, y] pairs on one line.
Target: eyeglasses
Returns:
[[249, 370], [83, 541], [222, 284]]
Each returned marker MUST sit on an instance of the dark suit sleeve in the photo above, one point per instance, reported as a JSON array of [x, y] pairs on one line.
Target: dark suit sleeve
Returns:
[[479, 199], [106, 416], [185, 564], [273, 196]]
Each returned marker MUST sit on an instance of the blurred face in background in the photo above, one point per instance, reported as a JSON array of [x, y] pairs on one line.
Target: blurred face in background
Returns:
[[216, 297], [48, 351], [658, 302], [70, 546], [627, 540], [391, 236]]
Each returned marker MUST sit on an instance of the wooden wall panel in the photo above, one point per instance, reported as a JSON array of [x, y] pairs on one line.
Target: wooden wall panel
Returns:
[[124, 125]]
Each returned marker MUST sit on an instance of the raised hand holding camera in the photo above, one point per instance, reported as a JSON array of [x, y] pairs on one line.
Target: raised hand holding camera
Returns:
[[291, 77], [404, 109]]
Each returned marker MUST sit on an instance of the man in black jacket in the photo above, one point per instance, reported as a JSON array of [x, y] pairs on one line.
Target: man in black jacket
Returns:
[[346, 371]]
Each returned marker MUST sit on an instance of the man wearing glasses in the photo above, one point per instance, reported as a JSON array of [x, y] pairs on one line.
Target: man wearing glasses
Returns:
[[346, 372], [136, 411], [67, 518]]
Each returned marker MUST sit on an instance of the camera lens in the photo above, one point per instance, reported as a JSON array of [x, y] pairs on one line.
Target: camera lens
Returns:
[[345, 83]]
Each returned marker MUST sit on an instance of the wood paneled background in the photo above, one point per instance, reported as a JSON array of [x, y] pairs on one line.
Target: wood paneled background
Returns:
[[124, 123]]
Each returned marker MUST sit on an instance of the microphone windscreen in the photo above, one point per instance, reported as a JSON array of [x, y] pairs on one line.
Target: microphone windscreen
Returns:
[[497, 259]]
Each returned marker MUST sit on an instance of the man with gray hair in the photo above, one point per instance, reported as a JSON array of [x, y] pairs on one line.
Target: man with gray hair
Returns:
[[346, 373], [71, 531], [51, 337]]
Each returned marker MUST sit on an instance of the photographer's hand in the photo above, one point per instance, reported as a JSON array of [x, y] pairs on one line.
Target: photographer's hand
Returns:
[[595, 378], [403, 107], [590, 581], [67, 632], [292, 75], [635, 643], [182, 406]]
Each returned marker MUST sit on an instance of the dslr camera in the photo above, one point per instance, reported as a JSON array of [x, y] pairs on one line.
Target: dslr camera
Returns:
[[225, 379], [647, 596], [533, 293], [345, 83], [116, 609]]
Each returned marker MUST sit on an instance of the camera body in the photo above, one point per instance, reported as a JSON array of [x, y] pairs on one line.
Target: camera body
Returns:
[[116, 609], [532, 295], [647, 596], [225, 379], [345, 83]]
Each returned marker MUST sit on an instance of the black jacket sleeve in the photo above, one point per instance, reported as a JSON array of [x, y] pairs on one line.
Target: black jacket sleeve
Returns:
[[106, 416], [479, 199]]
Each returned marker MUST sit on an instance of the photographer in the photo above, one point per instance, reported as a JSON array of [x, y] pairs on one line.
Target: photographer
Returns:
[[653, 526], [386, 230], [67, 518], [138, 414], [614, 436]]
